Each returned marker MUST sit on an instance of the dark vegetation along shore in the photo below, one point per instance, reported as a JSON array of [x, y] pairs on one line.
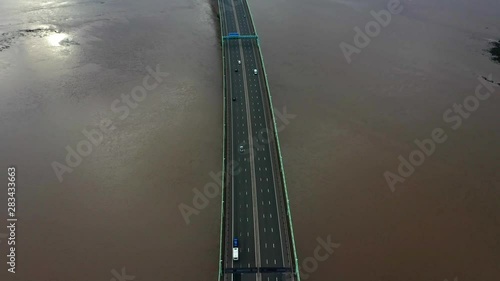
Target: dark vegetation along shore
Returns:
[[495, 51]]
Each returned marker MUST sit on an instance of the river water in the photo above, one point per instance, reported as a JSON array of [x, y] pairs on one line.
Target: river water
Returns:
[[68, 66]]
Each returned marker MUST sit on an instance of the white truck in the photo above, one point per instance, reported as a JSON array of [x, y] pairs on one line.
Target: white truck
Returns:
[[235, 249]]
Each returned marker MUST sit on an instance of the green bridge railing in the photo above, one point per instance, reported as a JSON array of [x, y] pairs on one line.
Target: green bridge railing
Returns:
[[223, 173]]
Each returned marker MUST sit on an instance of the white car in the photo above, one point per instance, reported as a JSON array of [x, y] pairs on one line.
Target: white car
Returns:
[[241, 148], [255, 71], [239, 62]]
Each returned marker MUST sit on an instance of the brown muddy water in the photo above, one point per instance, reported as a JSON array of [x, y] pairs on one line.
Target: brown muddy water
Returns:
[[70, 66]]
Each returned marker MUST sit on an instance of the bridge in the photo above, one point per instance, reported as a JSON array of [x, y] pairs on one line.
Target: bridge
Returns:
[[255, 206]]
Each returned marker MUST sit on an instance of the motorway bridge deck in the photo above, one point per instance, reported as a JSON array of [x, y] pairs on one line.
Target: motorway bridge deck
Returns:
[[255, 202]]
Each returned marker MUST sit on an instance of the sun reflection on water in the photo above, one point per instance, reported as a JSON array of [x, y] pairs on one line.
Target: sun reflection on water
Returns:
[[55, 39]]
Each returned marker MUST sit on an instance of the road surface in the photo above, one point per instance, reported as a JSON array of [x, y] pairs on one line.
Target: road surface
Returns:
[[257, 213]]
